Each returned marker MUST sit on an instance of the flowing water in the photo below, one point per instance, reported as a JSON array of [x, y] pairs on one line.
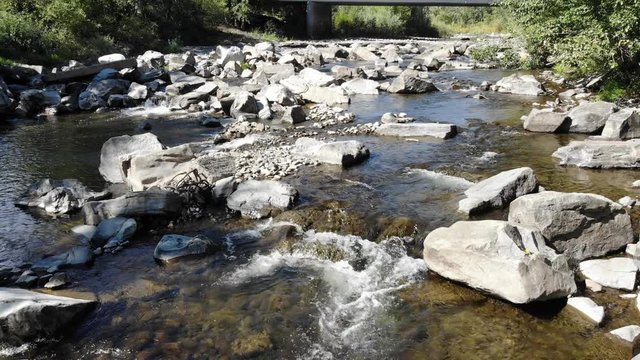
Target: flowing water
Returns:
[[333, 296]]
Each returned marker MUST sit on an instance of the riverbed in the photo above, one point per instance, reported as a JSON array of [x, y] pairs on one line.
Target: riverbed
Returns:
[[376, 302]]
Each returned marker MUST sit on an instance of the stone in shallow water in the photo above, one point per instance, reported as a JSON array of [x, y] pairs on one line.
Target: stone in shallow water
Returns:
[[340, 152], [258, 199], [519, 85], [508, 261], [600, 154], [627, 333], [588, 308], [498, 191], [440, 131], [617, 273], [27, 315], [113, 232], [118, 151], [148, 203], [590, 118], [76, 256], [57, 281], [172, 247], [546, 120]]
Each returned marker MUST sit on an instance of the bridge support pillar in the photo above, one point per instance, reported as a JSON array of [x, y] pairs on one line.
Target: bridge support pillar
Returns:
[[318, 20]]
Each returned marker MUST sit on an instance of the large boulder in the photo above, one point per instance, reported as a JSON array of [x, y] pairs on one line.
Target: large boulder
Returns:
[[590, 118], [231, 54], [117, 152], [600, 154], [547, 121], [172, 247], [105, 59], [361, 86], [508, 261], [27, 315], [259, 199], [165, 168], [344, 153], [279, 94], [316, 78], [325, 95], [623, 125], [142, 204], [294, 115], [409, 82], [441, 131], [59, 196], [498, 191], [579, 225], [519, 85]]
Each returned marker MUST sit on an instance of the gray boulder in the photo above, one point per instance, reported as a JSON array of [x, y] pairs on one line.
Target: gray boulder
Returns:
[[294, 115], [440, 131], [137, 91], [547, 121], [316, 78], [622, 125], [76, 256], [150, 203], [259, 199], [244, 103], [617, 273], [105, 59], [27, 315], [508, 261], [325, 95], [409, 82], [519, 85], [172, 247], [579, 225], [590, 118], [89, 101], [278, 94], [231, 54], [600, 154], [343, 153], [111, 233], [117, 152], [59, 196], [498, 191]]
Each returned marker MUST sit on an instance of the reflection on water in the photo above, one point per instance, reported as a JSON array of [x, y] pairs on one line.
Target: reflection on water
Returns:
[[375, 302]]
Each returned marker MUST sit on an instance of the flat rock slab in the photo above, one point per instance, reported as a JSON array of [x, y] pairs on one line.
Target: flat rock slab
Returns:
[[508, 261], [343, 153], [578, 225], [440, 131], [86, 71], [27, 315], [627, 333], [134, 205], [600, 154], [171, 247], [259, 199], [617, 273], [498, 191], [588, 308]]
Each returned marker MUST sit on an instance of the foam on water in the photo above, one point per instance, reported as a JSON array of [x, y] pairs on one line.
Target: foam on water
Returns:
[[358, 297], [7, 351]]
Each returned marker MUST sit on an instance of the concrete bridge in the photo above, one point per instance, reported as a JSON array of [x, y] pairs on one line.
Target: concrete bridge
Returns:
[[319, 11]]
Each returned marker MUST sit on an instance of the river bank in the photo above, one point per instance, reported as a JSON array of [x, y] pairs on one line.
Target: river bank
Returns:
[[329, 291]]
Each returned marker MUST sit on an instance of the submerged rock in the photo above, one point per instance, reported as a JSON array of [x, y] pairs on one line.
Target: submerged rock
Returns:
[[111, 233], [519, 85], [59, 196], [600, 154], [27, 315], [150, 203], [498, 191], [440, 131], [508, 261], [588, 308], [76, 256], [627, 333], [343, 153], [172, 247], [117, 152], [617, 273], [259, 199], [578, 225]]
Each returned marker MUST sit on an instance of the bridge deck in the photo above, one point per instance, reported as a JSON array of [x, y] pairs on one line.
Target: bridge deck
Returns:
[[404, 2]]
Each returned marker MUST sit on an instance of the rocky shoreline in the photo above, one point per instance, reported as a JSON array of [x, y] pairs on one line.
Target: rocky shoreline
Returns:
[[274, 114]]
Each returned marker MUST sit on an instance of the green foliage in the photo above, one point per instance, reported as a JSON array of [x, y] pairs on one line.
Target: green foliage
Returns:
[[48, 31], [588, 36], [449, 21], [613, 90], [506, 58], [387, 21]]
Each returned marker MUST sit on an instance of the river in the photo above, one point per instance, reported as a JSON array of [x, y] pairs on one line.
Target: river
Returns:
[[376, 302]]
